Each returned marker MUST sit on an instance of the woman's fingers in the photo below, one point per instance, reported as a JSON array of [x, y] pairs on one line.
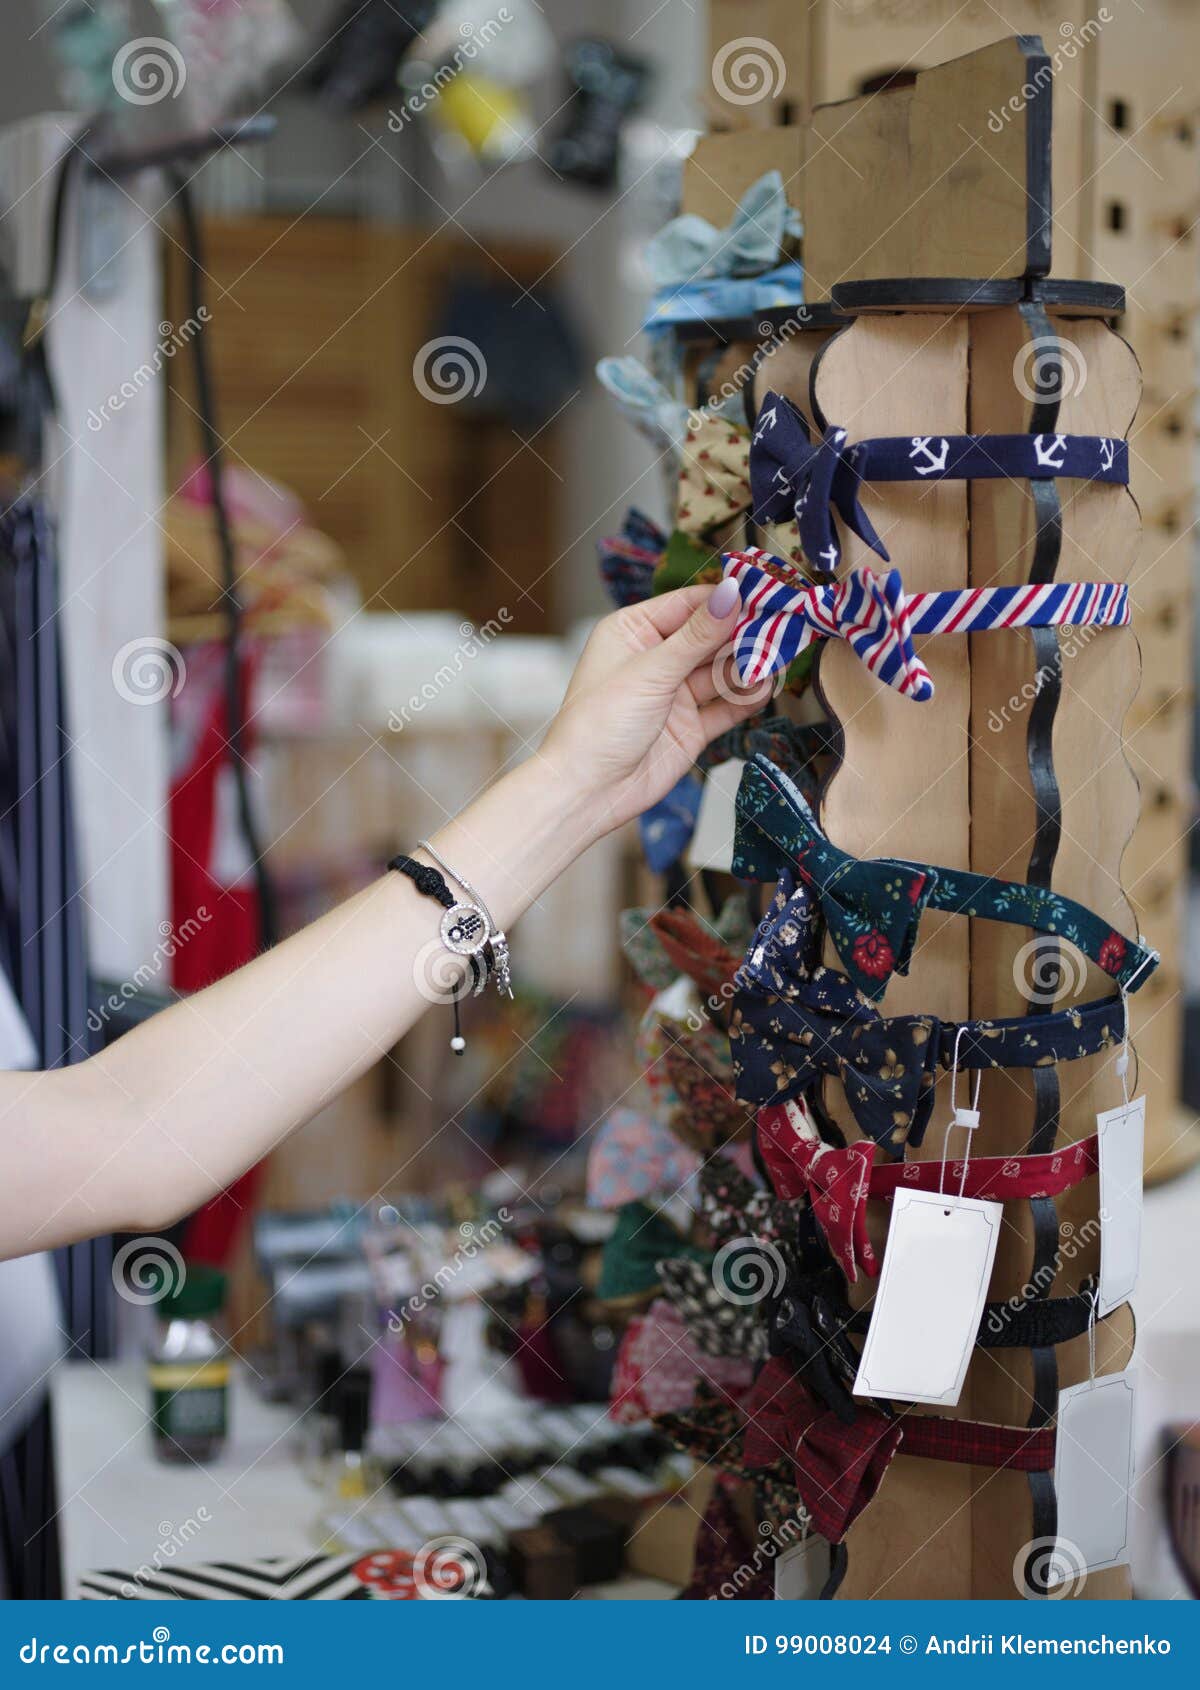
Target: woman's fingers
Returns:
[[667, 612], [698, 639], [721, 714]]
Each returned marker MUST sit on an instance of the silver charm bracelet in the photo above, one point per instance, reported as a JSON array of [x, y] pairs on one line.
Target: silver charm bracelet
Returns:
[[461, 925]]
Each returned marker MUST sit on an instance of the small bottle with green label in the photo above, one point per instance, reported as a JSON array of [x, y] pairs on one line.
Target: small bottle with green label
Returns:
[[189, 1371]]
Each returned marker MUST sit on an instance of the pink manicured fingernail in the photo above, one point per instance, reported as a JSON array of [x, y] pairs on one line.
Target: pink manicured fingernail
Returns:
[[724, 597]]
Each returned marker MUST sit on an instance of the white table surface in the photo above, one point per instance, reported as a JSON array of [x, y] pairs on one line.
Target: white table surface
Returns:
[[119, 1504]]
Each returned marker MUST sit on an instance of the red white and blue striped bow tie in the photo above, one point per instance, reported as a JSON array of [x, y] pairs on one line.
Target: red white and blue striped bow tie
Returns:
[[782, 615]]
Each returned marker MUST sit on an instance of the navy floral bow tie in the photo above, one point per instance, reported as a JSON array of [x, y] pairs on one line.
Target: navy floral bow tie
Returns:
[[873, 906], [794, 1021], [790, 475]]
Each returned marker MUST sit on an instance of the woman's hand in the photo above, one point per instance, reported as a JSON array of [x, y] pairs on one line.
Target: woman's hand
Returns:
[[647, 696]]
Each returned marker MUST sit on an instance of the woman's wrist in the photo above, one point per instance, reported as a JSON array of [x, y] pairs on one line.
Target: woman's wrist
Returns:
[[519, 835]]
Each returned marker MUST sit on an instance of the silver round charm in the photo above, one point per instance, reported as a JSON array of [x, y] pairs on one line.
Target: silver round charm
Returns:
[[464, 929]]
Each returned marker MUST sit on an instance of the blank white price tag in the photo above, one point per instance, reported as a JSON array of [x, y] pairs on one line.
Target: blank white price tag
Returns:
[[1122, 1131], [802, 1572], [1093, 1471], [712, 843], [925, 1321]]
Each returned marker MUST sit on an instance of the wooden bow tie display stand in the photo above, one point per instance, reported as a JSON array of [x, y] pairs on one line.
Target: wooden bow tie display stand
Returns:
[[937, 308], [1124, 179]]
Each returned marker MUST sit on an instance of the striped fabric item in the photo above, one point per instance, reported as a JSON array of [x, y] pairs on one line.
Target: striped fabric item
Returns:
[[781, 617]]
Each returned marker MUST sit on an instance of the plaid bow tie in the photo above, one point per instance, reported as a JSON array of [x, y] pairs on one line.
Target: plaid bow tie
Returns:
[[839, 1466], [628, 560], [792, 476], [780, 620]]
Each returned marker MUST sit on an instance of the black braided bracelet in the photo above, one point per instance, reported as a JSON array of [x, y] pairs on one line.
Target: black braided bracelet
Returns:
[[430, 883]]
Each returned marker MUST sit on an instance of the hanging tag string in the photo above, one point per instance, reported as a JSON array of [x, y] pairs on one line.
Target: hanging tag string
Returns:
[[966, 1118], [1092, 1318]]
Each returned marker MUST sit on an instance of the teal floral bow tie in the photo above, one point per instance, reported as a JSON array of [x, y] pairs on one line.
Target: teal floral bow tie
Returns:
[[872, 908]]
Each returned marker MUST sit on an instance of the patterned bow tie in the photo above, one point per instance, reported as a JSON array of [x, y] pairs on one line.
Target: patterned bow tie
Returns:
[[630, 1261], [628, 560], [675, 941], [782, 615], [707, 1113], [634, 1157], [835, 1178], [794, 1021], [781, 619], [721, 1323], [808, 1324], [790, 475], [659, 1365], [701, 952], [732, 1206], [872, 906], [838, 1180]]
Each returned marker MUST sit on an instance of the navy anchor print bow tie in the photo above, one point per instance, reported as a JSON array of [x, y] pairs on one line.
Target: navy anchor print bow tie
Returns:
[[873, 906], [791, 476]]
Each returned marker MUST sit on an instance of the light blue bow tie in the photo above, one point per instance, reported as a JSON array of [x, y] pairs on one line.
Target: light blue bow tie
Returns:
[[645, 402], [690, 248]]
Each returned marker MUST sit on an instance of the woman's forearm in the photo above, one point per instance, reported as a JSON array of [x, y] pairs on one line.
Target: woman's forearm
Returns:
[[173, 1111]]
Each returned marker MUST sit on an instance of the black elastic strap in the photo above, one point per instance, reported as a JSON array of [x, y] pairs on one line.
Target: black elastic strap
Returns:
[[1039, 751]]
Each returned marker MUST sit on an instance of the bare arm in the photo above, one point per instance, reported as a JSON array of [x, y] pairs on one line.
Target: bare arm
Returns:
[[171, 1113]]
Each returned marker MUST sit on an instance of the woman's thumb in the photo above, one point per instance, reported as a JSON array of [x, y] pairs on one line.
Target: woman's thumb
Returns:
[[706, 630]]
